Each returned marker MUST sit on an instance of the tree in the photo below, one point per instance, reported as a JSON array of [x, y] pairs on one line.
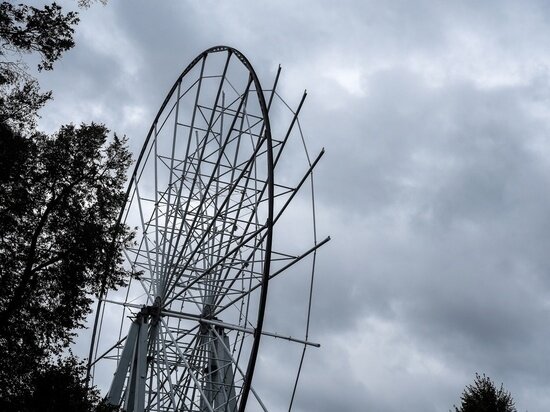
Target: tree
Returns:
[[27, 29], [47, 32], [59, 385], [483, 396], [60, 242], [65, 379]]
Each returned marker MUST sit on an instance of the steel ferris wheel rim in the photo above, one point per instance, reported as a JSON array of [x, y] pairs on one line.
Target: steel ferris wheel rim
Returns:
[[266, 133], [205, 199]]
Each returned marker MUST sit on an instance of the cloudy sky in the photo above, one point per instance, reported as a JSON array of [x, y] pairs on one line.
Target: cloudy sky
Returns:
[[434, 188]]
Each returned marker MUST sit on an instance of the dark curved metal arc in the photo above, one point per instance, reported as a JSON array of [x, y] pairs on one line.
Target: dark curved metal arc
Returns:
[[269, 223]]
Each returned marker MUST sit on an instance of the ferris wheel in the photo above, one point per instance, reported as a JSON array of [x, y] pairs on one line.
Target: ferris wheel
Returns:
[[208, 200]]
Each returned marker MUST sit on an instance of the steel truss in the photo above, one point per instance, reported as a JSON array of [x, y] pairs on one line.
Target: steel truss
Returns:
[[184, 335]]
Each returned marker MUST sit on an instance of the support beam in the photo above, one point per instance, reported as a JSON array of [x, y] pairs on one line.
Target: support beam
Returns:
[[114, 397], [132, 368], [219, 385]]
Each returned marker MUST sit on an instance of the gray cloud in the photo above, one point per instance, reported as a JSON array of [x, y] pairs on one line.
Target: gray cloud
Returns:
[[435, 121]]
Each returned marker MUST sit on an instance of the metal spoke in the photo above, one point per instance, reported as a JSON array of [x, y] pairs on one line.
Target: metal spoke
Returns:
[[204, 202]]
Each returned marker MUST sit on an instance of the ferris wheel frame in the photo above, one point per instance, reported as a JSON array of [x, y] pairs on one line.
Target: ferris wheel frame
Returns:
[[160, 305]]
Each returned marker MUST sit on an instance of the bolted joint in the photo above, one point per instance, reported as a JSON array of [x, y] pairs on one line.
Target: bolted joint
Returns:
[[152, 311]]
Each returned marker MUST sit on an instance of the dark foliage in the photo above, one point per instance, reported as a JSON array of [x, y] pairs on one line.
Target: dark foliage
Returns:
[[87, 3], [60, 198], [59, 386], [65, 379], [47, 32], [60, 243], [483, 396]]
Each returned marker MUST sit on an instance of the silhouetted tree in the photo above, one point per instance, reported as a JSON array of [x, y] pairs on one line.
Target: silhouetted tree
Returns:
[[47, 32], [60, 386], [483, 396], [60, 197]]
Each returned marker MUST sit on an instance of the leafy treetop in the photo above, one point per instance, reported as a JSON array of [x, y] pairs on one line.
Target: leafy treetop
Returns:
[[483, 396], [26, 29], [60, 198], [47, 32]]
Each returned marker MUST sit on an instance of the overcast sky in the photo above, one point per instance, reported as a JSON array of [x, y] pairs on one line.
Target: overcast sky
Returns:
[[434, 188]]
